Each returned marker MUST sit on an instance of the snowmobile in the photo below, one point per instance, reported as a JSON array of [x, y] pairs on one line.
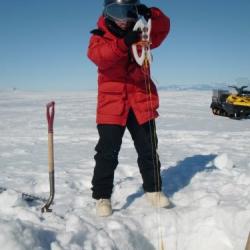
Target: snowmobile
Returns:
[[233, 105]]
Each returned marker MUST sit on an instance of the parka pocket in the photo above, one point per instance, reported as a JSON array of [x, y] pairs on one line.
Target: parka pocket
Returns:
[[111, 98], [147, 101]]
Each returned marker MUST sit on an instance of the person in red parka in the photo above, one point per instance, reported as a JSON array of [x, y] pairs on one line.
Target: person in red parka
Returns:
[[123, 99]]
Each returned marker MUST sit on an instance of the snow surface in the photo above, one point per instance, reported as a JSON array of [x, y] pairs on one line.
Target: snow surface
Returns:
[[205, 170]]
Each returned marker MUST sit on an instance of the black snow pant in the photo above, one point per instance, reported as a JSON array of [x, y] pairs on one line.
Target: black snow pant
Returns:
[[108, 147]]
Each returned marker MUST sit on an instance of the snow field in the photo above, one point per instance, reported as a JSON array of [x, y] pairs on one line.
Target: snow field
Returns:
[[205, 170]]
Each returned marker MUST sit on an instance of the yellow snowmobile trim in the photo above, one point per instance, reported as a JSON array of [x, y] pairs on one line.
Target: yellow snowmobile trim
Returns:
[[238, 100]]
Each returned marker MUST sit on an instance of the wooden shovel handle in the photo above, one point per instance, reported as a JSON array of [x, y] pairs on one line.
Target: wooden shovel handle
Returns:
[[50, 116], [248, 243]]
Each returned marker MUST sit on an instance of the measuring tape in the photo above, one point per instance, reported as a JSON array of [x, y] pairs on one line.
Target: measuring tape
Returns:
[[145, 56]]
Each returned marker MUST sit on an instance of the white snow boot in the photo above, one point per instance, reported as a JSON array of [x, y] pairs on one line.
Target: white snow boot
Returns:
[[157, 199], [103, 207]]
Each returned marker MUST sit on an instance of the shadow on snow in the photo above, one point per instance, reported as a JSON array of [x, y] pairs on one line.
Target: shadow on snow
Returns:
[[177, 177]]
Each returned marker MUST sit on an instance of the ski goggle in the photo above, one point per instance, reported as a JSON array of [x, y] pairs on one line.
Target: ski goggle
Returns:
[[121, 12]]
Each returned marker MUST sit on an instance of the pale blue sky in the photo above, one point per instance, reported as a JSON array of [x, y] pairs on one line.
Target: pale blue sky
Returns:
[[43, 43]]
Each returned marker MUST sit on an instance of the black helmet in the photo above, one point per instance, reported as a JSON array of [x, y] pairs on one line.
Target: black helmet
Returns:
[[107, 2], [120, 10]]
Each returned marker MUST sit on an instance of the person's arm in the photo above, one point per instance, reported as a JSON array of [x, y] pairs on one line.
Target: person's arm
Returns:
[[105, 53], [160, 27]]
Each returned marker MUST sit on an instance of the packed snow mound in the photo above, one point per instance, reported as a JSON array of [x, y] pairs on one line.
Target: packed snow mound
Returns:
[[10, 198], [223, 162]]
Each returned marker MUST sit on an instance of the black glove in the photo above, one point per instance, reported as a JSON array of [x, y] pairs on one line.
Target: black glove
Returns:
[[143, 10], [132, 37]]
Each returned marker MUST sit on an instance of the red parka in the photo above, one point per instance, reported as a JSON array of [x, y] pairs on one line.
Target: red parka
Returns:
[[121, 81]]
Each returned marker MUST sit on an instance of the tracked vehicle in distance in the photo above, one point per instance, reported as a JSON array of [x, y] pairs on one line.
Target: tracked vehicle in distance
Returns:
[[233, 105]]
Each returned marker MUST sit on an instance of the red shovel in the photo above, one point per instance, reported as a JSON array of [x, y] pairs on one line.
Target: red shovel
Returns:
[[50, 118]]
